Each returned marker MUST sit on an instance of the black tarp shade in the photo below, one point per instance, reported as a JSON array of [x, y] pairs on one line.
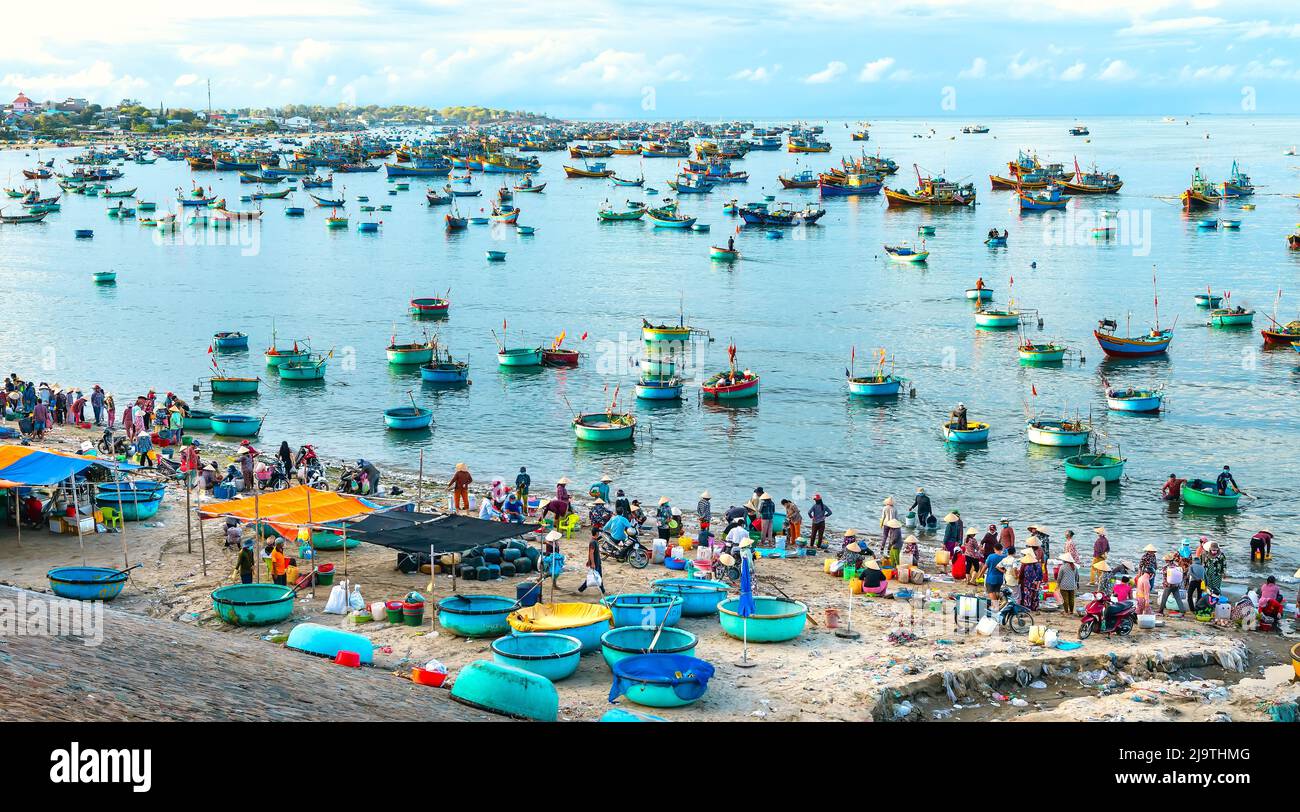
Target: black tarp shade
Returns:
[[418, 532]]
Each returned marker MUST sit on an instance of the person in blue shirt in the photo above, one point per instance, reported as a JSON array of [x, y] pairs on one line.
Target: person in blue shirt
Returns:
[[1225, 479], [994, 576], [600, 489], [522, 483], [618, 527], [513, 508]]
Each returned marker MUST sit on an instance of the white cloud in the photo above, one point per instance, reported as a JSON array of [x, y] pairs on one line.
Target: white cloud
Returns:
[[1176, 25], [1117, 70], [309, 51], [1032, 66], [759, 74], [833, 71], [185, 80], [625, 70], [1074, 73], [875, 70], [979, 68], [1207, 73]]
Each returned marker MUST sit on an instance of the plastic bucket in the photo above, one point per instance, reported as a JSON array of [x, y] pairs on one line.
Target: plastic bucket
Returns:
[[351, 659], [324, 577], [413, 614], [528, 593], [393, 611], [1295, 659]]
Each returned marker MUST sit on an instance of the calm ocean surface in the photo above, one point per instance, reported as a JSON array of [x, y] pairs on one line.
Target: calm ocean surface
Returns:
[[793, 307]]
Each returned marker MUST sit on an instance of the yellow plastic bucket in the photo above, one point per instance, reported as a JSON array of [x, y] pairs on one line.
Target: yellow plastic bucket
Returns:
[[1295, 659], [827, 563], [855, 587]]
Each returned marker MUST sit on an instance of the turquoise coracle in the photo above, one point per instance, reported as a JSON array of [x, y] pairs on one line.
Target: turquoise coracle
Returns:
[[774, 620], [699, 598], [661, 680], [87, 583], [506, 690], [476, 615], [253, 604], [324, 641], [644, 609], [630, 641], [554, 656]]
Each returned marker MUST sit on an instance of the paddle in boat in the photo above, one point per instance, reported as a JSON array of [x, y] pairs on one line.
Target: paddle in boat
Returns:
[[731, 385], [408, 418], [974, 432], [879, 383], [728, 254]]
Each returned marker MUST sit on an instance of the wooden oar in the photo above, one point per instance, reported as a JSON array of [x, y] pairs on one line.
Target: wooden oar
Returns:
[[119, 572]]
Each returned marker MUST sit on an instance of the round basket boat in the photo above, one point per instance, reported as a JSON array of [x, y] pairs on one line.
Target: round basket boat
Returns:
[[774, 620], [1056, 433], [476, 615], [407, 418], [979, 294], [198, 420], [600, 427], [661, 680], [585, 621], [997, 319], [1087, 467], [137, 500], [253, 604], [520, 357], [506, 690], [236, 425], [973, 433], [554, 656], [327, 540], [1209, 499], [699, 598], [628, 641], [326, 641], [644, 609], [875, 386], [87, 583]]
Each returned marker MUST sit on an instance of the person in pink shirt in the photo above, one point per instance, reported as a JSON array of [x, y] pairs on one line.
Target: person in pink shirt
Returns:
[[1143, 593], [1123, 590]]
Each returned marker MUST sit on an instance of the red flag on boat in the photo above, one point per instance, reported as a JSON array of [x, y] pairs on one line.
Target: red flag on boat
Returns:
[[1033, 389], [584, 336], [209, 349], [503, 324]]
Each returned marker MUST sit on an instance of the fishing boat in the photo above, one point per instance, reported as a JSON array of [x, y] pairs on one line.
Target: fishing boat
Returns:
[[1155, 342], [527, 186], [590, 170], [336, 221], [979, 294], [849, 184], [1094, 182], [519, 356], [505, 214], [410, 354], [1143, 401], [610, 215], [973, 433], [1208, 224], [690, 184], [1207, 299], [1201, 494], [730, 384], [1042, 353], [236, 425], [1079, 129], [666, 218], [931, 192], [1049, 200], [659, 387], [1281, 335], [654, 333], [604, 427], [17, 219], [997, 319], [262, 195], [1200, 194], [525, 231], [903, 252], [1058, 433], [557, 356], [105, 277], [807, 179], [807, 144], [429, 307], [275, 356], [1232, 317], [368, 227], [996, 240], [294, 211], [84, 233], [495, 256], [1238, 183], [435, 199], [311, 368], [878, 384], [1093, 466], [761, 214], [233, 385], [230, 340], [456, 223]]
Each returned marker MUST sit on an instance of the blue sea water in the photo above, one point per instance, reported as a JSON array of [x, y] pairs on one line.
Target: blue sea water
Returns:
[[793, 307]]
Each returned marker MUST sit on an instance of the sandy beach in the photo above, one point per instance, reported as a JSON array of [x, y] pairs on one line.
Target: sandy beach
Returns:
[[1181, 670]]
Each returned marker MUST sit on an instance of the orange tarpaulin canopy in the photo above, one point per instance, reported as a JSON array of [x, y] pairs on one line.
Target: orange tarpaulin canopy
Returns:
[[287, 509]]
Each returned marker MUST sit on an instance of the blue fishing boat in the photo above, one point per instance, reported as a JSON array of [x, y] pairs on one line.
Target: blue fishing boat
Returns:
[[774, 620], [311, 369], [506, 690], [1238, 183], [137, 500], [253, 604], [236, 425], [230, 340], [407, 418], [1050, 199], [324, 641], [661, 680], [1155, 342], [644, 609], [875, 386], [628, 641], [327, 202], [700, 598], [87, 583], [972, 434], [1134, 400], [445, 371], [999, 241], [651, 387], [553, 656], [84, 233]]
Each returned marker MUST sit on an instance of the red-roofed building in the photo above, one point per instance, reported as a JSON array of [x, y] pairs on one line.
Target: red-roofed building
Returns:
[[23, 105]]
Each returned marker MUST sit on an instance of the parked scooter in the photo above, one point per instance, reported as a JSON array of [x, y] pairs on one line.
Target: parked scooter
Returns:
[[1105, 615], [630, 550], [1013, 614]]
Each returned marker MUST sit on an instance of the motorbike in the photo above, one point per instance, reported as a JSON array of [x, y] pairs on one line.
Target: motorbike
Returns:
[[1104, 616], [276, 479], [353, 480], [630, 550], [111, 445], [1013, 614]]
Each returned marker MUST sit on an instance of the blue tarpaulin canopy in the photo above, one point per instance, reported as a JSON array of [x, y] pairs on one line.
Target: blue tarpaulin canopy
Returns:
[[23, 465]]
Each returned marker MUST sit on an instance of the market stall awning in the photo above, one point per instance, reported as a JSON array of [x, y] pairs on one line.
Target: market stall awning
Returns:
[[290, 508], [27, 466], [421, 532]]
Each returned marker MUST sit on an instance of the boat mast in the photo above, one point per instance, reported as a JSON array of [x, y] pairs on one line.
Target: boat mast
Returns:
[[1155, 294]]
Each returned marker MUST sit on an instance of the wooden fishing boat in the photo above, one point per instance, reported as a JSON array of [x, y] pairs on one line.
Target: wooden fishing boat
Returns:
[[310, 369], [1134, 400], [17, 219], [408, 418], [932, 192], [663, 218], [508, 215], [230, 340], [1200, 494], [145, 205], [435, 199], [850, 184], [230, 385], [123, 193], [414, 353], [1232, 317], [105, 277], [906, 253], [455, 223], [495, 256], [1094, 182], [720, 254], [528, 187], [429, 306], [1044, 353], [807, 179], [519, 357], [731, 385], [1201, 194], [1090, 467], [1027, 181], [559, 357], [760, 214], [1238, 183], [1058, 433], [280, 195], [1049, 200], [973, 433], [604, 427], [596, 170], [1155, 342], [1281, 335], [997, 319]]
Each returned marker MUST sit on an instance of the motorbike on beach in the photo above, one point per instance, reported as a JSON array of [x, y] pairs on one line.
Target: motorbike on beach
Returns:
[[1106, 616], [630, 550]]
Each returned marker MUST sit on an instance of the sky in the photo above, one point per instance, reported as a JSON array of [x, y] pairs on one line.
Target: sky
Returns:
[[671, 58]]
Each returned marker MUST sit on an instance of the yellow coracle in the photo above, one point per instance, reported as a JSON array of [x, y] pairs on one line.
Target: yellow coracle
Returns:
[[552, 617]]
